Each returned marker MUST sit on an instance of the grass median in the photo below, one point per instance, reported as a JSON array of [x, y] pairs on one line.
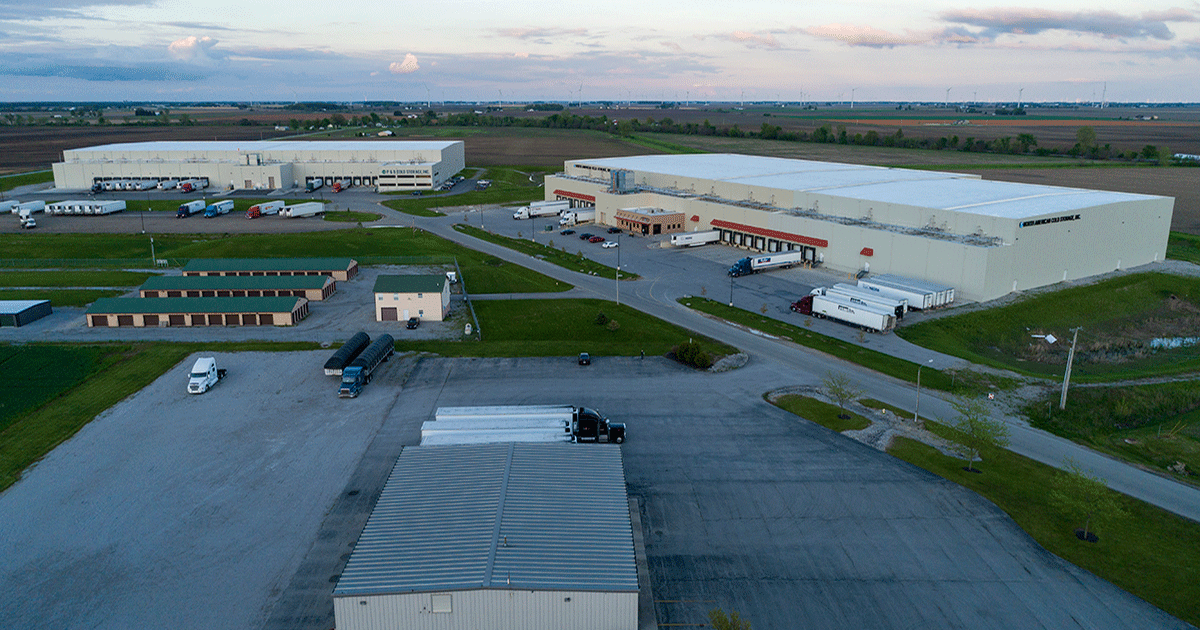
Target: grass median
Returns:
[[74, 278], [9, 182], [958, 381]]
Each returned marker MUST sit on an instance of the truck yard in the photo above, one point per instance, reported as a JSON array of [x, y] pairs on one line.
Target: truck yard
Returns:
[[235, 509]]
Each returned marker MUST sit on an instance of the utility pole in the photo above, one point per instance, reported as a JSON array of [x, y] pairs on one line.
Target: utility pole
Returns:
[[1062, 402], [917, 407]]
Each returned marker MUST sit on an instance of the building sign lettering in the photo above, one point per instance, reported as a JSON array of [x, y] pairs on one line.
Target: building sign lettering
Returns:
[[1065, 217]]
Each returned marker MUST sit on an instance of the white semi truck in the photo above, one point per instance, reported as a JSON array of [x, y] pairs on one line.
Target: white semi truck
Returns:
[[204, 375], [867, 298], [542, 209], [311, 208], [842, 310], [576, 216], [695, 239]]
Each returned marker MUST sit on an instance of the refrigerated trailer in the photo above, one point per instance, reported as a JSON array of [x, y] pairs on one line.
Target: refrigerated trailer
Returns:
[[755, 264], [309, 209], [695, 239], [839, 309], [219, 208], [584, 424], [188, 209], [168, 184], [943, 295], [313, 184], [448, 438], [78, 206], [920, 298], [868, 298], [542, 209]]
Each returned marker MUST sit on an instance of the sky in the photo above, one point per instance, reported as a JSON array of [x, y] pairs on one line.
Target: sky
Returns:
[[618, 50]]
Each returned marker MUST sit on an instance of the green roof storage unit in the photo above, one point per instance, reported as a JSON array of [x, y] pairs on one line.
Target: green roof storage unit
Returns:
[[201, 311], [397, 298], [340, 269], [312, 287], [21, 312]]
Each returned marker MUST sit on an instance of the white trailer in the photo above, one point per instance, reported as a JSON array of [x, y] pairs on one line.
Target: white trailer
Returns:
[[145, 184], [168, 184], [695, 239], [494, 437], [943, 295], [495, 424], [755, 264], [188, 209], [308, 209], [30, 207], [542, 209], [9, 205], [920, 298], [78, 206], [577, 216], [514, 411], [839, 309], [219, 208], [870, 298]]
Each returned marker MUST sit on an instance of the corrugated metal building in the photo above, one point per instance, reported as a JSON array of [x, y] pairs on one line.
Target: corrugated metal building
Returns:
[[197, 311], [20, 312], [496, 537], [398, 298], [247, 164], [985, 238], [340, 269], [314, 288]]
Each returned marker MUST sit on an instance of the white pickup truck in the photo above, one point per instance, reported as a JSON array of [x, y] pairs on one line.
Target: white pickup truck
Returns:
[[204, 375]]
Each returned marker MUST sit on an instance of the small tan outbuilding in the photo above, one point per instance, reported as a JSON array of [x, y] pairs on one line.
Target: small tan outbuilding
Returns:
[[397, 298]]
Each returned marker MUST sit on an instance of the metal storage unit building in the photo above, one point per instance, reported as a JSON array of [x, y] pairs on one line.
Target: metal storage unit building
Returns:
[[314, 288], [267, 165], [198, 311], [20, 312], [340, 269], [985, 238], [496, 537]]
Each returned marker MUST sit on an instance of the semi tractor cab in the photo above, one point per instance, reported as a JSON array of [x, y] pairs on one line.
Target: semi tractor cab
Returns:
[[590, 426], [359, 372]]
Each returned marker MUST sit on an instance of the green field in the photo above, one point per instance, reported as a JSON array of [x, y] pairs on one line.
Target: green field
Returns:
[[509, 185], [1182, 246], [9, 182], [35, 374], [61, 297], [1119, 318], [73, 278], [347, 216], [822, 413], [481, 273], [1154, 426]]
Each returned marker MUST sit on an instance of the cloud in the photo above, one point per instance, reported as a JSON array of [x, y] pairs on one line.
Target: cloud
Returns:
[[521, 55], [1107, 24], [540, 33], [673, 46], [867, 36], [408, 66], [194, 49], [753, 40]]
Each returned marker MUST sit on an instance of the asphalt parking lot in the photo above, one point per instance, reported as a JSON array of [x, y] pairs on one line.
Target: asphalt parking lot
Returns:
[[234, 509]]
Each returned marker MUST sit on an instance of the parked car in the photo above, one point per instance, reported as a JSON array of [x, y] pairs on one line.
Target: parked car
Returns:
[[585, 358], [566, 232], [614, 230], [585, 236], [413, 322], [596, 239], [609, 244]]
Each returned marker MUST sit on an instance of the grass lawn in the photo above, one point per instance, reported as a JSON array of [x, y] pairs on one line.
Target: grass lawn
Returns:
[[509, 185], [1119, 317], [73, 278], [61, 297], [88, 379], [822, 413], [556, 328], [1182, 246], [9, 182], [1151, 553], [347, 216], [482, 273], [1151, 425], [961, 381], [550, 249]]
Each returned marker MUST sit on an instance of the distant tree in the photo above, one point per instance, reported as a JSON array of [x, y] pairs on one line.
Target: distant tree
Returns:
[[338, 120], [1025, 141], [186, 120], [841, 389], [1084, 494], [721, 621], [1164, 156], [977, 428], [625, 128], [1086, 137]]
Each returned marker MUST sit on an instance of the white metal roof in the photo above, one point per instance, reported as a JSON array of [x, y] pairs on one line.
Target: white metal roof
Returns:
[[12, 307], [276, 145], [927, 189], [498, 516]]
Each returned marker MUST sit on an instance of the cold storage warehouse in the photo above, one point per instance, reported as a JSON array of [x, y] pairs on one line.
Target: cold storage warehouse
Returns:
[[496, 537], [985, 238]]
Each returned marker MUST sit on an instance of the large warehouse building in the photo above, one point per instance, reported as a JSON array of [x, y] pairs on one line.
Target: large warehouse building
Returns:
[[389, 165], [982, 237], [496, 537]]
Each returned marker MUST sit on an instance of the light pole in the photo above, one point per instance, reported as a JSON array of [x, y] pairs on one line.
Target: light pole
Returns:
[[153, 258], [618, 269], [917, 408], [1062, 401], [731, 289]]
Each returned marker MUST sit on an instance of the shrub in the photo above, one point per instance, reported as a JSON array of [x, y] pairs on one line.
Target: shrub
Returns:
[[601, 319], [690, 353]]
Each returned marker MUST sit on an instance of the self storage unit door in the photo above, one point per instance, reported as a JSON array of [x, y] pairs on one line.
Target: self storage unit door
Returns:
[[388, 313]]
